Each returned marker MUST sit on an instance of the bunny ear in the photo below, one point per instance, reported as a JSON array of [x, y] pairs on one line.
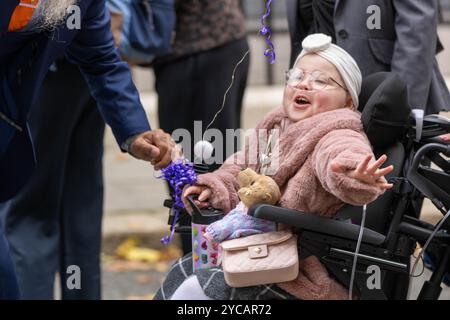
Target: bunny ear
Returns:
[[251, 172]]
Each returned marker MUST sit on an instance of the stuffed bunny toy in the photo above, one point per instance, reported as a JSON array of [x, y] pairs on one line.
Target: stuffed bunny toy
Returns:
[[254, 189]]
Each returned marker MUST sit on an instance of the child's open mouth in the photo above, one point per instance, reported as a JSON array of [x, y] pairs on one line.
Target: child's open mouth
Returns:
[[301, 102]]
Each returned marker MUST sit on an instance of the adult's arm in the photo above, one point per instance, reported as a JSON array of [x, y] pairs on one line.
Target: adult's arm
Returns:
[[108, 77]]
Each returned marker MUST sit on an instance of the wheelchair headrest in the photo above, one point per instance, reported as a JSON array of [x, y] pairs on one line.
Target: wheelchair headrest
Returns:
[[385, 109]]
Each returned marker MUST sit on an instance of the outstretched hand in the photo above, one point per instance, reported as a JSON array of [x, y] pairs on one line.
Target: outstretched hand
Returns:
[[370, 174]]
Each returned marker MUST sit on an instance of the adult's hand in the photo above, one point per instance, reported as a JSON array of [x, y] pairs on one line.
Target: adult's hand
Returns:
[[155, 146]]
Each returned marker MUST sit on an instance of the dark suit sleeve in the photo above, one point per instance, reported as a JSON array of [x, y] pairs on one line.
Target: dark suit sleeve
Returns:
[[108, 77], [415, 47]]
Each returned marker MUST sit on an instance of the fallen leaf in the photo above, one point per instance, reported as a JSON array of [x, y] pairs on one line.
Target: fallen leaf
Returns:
[[145, 297], [126, 246], [161, 267], [105, 258], [171, 253], [123, 266], [129, 250], [122, 156]]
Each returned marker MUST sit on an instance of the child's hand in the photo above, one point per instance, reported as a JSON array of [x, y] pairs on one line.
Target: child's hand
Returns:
[[370, 174], [202, 201], [208, 236]]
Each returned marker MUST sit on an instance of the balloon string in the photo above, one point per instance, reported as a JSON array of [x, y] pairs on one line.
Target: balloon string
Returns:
[[229, 88], [269, 52]]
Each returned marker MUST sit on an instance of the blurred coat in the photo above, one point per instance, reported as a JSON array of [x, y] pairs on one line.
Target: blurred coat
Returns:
[[406, 43], [25, 58]]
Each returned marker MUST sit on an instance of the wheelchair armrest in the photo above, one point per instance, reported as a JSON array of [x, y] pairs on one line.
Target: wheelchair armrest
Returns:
[[310, 222]]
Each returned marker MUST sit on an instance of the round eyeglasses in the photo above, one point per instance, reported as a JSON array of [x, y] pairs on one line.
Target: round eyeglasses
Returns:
[[317, 79]]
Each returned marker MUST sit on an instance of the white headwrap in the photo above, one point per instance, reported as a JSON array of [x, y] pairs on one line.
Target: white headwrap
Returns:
[[321, 45]]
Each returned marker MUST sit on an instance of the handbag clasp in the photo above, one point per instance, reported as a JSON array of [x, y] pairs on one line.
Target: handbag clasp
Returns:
[[258, 251]]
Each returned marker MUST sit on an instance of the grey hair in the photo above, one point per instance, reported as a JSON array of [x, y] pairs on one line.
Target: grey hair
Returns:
[[51, 13]]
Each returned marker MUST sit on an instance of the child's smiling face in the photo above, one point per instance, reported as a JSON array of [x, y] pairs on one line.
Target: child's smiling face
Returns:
[[305, 100]]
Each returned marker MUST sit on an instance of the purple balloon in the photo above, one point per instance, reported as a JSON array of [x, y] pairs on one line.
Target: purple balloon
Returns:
[[265, 31]]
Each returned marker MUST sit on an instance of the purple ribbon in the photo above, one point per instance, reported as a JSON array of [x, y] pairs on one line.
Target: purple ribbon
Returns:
[[265, 31], [178, 174]]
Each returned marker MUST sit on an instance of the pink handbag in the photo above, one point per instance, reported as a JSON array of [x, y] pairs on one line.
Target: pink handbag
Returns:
[[260, 259]]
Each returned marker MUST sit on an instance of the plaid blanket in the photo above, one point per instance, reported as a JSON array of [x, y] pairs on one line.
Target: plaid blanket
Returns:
[[214, 285]]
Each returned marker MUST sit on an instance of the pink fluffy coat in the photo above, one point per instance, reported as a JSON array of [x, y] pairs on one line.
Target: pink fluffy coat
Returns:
[[306, 149]]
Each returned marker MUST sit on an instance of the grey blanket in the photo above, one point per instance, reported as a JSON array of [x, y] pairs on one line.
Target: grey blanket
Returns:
[[214, 285]]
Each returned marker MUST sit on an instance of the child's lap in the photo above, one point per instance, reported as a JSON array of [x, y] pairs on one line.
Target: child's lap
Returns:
[[214, 285]]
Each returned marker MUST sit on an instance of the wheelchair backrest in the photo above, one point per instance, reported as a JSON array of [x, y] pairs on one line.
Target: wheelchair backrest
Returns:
[[385, 115]]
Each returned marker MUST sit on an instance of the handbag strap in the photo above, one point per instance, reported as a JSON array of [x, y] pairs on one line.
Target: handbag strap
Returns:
[[256, 240]]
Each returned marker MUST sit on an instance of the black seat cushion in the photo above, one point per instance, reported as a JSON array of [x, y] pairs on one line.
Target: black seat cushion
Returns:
[[385, 108]]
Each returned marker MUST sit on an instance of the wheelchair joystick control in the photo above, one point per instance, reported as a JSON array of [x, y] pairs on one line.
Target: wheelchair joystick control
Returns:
[[205, 254]]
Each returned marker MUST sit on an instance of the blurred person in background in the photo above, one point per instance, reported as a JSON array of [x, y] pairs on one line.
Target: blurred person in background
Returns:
[[395, 35], [210, 39], [33, 33], [55, 221]]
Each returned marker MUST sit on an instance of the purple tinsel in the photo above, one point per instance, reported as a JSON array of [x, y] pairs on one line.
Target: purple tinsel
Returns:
[[265, 31], [178, 174]]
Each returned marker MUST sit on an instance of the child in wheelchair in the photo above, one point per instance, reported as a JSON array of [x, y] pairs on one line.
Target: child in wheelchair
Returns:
[[324, 160]]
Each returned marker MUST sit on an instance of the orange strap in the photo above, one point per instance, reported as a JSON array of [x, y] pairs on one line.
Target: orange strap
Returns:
[[22, 15]]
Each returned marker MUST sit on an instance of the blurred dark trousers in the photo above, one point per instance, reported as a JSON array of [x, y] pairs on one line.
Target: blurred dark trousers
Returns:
[[192, 88], [55, 222], [9, 289]]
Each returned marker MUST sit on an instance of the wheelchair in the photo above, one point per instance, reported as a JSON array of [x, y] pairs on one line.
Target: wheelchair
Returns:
[[393, 227]]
